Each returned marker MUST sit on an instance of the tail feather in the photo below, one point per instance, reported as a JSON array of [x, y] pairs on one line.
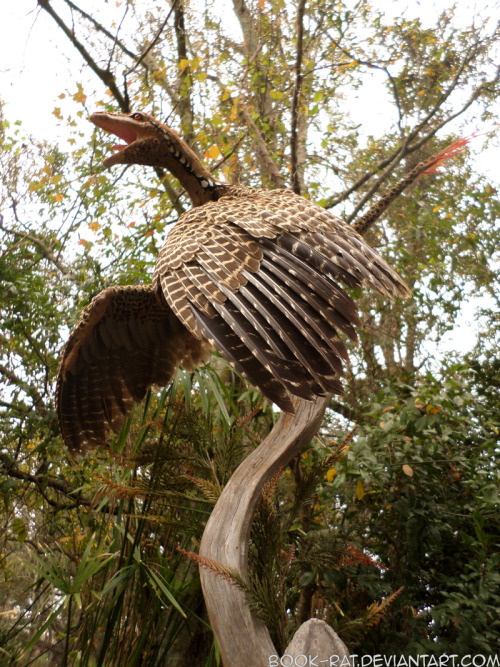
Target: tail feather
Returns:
[[363, 223], [448, 153]]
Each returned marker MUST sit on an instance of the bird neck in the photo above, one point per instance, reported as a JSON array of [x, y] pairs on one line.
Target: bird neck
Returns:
[[174, 154]]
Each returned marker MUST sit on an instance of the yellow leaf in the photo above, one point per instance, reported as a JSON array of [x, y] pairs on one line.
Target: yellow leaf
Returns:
[[234, 113], [82, 242], [330, 474], [80, 96], [57, 113], [94, 226], [436, 208], [183, 63], [213, 152], [59, 197], [360, 489], [276, 94], [408, 470]]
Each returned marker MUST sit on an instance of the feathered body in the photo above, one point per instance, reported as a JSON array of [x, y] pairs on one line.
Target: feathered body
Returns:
[[254, 273]]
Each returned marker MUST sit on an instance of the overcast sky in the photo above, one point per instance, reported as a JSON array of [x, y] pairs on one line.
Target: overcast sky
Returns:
[[35, 69]]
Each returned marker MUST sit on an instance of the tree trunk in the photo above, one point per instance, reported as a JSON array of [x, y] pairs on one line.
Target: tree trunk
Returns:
[[243, 638]]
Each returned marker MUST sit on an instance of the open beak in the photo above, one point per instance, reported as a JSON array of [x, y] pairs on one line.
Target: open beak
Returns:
[[120, 126]]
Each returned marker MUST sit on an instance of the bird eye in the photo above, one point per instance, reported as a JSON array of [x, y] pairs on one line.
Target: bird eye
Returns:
[[137, 116]]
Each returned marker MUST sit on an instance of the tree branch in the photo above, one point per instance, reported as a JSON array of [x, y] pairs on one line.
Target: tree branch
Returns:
[[246, 22], [45, 250], [263, 155], [406, 150], [185, 102], [155, 40], [105, 75], [55, 484], [403, 150], [296, 180], [32, 392], [99, 27]]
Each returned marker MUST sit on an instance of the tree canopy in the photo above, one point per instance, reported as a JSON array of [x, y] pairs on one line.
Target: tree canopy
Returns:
[[387, 525]]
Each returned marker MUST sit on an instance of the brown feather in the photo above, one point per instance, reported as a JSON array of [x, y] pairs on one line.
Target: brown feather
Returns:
[[254, 273]]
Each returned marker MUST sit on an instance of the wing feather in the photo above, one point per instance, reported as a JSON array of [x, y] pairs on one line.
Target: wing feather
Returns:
[[125, 342], [258, 269], [238, 355], [255, 274]]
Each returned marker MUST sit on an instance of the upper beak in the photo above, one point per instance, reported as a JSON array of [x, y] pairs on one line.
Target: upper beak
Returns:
[[121, 127]]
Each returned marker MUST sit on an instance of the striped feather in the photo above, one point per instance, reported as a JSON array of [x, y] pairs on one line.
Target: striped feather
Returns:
[[234, 350]]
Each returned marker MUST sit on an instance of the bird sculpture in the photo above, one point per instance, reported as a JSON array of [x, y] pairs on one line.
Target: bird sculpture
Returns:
[[253, 273]]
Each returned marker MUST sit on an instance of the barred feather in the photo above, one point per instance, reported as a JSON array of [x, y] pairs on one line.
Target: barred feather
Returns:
[[253, 273]]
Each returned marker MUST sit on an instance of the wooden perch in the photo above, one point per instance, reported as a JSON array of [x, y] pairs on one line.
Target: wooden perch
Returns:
[[242, 638]]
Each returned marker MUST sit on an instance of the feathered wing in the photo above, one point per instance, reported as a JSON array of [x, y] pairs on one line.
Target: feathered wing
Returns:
[[125, 342], [256, 274]]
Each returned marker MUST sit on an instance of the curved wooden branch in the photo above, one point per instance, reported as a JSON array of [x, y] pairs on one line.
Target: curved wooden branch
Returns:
[[242, 638]]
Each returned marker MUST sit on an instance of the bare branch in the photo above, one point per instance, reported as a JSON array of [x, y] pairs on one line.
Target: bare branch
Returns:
[[262, 151], [155, 40], [225, 539], [296, 181], [105, 75], [45, 250], [98, 26]]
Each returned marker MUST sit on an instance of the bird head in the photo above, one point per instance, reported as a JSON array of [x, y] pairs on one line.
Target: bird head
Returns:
[[149, 142], [146, 140]]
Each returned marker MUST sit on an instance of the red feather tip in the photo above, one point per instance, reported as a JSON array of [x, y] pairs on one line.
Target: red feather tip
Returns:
[[454, 149], [449, 152]]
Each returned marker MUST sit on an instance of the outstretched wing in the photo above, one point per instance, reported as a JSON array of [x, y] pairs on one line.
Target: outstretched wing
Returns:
[[125, 342], [256, 274]]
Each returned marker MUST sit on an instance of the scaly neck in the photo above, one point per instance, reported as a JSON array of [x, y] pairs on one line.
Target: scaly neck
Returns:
[[170, 152], [151, 143]]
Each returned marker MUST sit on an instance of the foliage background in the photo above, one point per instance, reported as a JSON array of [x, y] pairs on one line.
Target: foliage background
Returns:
[[387, 525]]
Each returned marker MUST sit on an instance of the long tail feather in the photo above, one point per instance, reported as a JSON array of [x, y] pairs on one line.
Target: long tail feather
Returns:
[[362, 224]]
